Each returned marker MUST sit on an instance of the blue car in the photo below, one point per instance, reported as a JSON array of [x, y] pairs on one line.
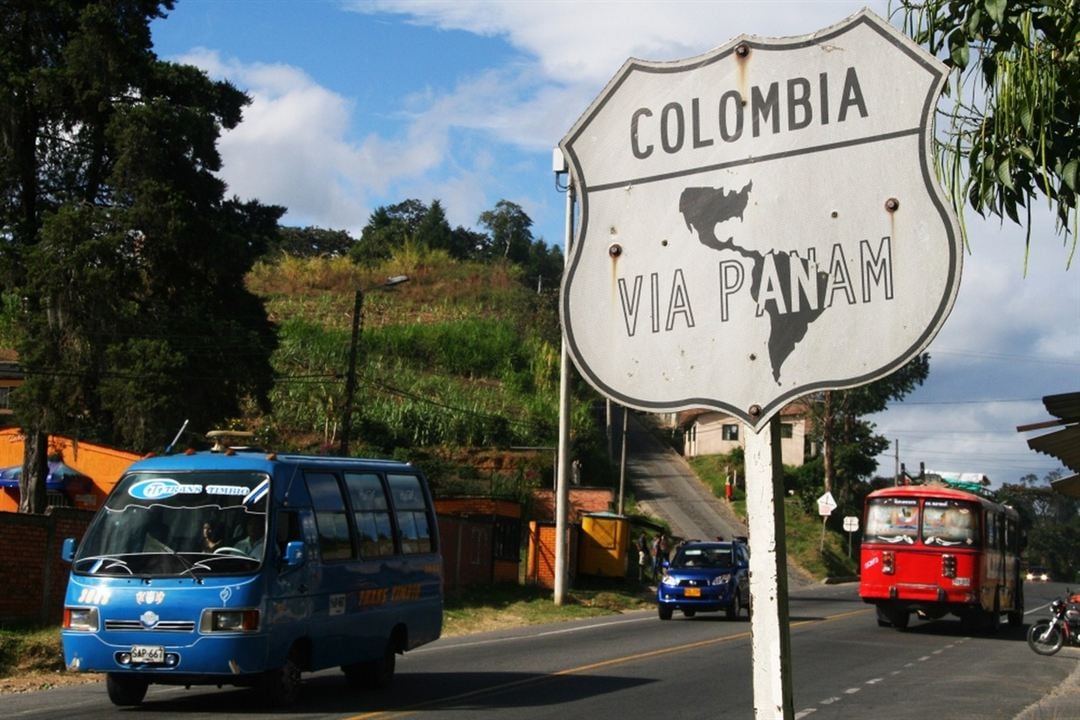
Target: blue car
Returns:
[[704, 577]]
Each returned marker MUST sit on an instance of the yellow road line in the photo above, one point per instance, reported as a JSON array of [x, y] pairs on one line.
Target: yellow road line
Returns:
[[399, 712]]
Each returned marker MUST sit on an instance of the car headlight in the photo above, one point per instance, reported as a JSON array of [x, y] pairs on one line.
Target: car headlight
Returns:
[[669, 581], [81, 619], [722, 579], [1044, 577]]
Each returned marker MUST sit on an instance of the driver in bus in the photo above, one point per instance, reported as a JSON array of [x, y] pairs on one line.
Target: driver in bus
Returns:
[[253, 544]]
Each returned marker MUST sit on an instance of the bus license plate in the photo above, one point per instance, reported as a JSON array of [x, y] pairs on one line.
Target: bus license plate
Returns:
[[693, 592], [147, 654]]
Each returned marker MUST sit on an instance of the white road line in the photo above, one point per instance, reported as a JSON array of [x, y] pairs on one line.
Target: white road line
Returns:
[[804, 713], [852, 691]]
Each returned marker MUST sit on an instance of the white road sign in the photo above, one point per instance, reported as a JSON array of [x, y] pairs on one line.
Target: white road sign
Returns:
[[759, 222], [826, 504], [851, 523]]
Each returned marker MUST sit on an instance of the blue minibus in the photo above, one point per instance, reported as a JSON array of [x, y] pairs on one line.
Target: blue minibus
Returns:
[[248, 568]]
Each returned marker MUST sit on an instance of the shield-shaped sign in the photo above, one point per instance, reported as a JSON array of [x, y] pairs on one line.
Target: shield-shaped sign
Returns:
[[759, 222]]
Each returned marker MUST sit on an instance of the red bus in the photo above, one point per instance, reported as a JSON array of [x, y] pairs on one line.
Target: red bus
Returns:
[[934, 550]]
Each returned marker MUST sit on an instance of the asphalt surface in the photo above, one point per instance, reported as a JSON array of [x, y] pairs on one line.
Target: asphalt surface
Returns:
[[666, 487]]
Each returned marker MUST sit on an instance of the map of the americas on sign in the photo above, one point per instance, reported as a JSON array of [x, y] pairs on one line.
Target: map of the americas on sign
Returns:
[[759, 222], [704, 209]]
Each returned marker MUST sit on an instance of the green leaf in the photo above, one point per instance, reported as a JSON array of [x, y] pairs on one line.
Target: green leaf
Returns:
[[973, 22], [1004, 173], [1068, 173], [995, 9], [1026, 152], [958, 48], [960, 55]]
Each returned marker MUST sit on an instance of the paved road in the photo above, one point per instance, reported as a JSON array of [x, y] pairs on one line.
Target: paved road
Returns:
[[635, 665]]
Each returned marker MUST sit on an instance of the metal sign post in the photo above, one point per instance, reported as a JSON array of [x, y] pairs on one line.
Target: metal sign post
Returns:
[[825, 506], [769, 621]]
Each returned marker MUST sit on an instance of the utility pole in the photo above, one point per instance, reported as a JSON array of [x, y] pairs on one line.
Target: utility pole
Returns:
[[350, 377]]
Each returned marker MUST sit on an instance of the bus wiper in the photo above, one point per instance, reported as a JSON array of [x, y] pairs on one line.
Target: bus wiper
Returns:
[[105, 562]]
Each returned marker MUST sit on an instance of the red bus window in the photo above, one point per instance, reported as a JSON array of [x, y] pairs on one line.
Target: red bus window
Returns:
[[892, 520], [948, 522]]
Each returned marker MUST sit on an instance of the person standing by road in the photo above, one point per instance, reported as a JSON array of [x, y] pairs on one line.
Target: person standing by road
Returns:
[[657, 556], [642, 555]]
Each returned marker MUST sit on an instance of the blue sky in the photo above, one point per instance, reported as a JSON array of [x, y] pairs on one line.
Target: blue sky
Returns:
[[362, 104]]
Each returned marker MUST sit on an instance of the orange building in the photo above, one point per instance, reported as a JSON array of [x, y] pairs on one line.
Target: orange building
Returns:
[[102, 466]]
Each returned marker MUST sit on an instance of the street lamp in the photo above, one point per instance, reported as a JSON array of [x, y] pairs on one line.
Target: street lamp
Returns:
[[350, 377]]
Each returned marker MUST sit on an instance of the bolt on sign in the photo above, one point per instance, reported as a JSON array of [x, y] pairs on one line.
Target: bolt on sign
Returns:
[[759, 222]]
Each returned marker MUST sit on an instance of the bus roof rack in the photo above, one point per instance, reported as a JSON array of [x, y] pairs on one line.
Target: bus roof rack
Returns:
[[221, 439]]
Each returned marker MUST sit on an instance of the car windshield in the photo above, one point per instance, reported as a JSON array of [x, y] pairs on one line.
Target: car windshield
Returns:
[[178, 524], [704, 556]]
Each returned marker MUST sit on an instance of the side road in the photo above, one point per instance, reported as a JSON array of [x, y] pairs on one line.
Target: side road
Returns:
[[666, 487]]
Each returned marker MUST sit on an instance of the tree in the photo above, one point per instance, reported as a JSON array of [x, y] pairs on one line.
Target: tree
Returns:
[[117, 239], [389, 228], [849, 443], [1014, 130], [310, 242], [510, 230], [1052, 522]]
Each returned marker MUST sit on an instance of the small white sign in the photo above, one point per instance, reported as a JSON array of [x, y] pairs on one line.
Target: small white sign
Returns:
[[851, 523], [826, 504]]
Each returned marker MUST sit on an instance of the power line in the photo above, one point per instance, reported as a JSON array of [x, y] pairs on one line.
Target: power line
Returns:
[[1006, 356]]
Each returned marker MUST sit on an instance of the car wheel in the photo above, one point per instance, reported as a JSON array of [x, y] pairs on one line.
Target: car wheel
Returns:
[[735, 608], [664, 611], [125, 690]]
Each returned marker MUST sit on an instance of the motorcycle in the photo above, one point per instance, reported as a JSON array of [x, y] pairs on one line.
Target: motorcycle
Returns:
[[1062, 628]]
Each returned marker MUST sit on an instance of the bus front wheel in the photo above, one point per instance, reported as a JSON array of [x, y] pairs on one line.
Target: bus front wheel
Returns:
[[281, 686], [125, 690]]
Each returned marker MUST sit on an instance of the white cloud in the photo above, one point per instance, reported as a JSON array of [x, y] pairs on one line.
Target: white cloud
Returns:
[[586, 42]]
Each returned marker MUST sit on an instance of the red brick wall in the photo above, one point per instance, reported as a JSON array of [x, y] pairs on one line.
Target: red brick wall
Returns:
[[540, 566], [582, 500], [32, 574], [477, 506]]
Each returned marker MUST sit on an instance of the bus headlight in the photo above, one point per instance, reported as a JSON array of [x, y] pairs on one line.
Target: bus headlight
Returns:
[[888, 562], [948, 566], [229, 621], [81, 619]]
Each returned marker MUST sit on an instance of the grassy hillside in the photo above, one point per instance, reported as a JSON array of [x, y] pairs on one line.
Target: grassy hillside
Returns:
[[459, 366]]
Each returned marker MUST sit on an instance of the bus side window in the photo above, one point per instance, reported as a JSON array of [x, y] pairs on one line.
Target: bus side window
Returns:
[[288, 530], [991, 525], [335, 540], [413, 515], [371, 512]]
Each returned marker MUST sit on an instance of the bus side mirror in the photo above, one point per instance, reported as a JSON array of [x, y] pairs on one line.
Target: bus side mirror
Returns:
[[67, 551], [294, 553]]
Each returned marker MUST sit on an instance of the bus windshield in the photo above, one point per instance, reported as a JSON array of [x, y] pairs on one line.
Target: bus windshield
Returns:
[[948, 522], [892, 520], [169, 525]]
